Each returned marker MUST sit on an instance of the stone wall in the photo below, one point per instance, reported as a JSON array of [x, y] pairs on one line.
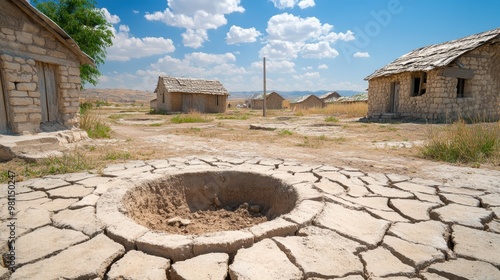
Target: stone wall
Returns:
[[440, 102], [23, 44]]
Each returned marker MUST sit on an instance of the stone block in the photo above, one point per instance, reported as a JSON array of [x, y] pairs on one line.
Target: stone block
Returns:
[[26, 86], [222, 242], [12, 66], [136, 265], [37, 50], [276, 227], [170, 246], [210, 266]]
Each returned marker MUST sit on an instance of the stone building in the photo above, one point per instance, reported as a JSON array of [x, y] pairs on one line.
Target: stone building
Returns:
[[273, 101], [39, 71], [305, 102], [459, 78], [186, 95]]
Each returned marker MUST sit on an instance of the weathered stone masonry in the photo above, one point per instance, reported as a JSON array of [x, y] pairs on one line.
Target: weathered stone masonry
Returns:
[[481, 93], [27, 47]]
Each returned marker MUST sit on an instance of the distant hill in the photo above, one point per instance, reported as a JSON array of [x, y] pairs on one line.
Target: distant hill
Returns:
[[118, 95], [292, 94]]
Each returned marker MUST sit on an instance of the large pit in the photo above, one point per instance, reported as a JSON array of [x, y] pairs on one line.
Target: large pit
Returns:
[[205, 202]]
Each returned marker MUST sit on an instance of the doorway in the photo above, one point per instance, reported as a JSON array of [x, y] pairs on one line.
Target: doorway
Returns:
[[394, 98], [48, 91], [4, 121]]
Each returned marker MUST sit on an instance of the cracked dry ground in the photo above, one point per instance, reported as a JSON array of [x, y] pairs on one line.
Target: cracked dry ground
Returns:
[[347, 224]]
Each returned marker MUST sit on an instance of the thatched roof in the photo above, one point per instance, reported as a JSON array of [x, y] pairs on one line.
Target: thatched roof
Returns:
[[303, 98], [329, 95], [434, 56], [355, 98], [260, 96], [53, 28], [188, 85]]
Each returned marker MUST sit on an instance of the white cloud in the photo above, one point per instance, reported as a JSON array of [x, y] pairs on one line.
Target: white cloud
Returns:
[[361, 54], [197, 16], [319, 50], [113, 19], [281, 49], [288, 27], [194, 38], [205, 59], [126, 47], [306, 4], [283, 4], [135, 11], [323, 67], [307, 76], [333, 37], [238, 34], [273, 66]]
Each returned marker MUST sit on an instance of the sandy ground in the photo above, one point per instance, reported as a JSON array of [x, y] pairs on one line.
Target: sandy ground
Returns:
[[369, 147]]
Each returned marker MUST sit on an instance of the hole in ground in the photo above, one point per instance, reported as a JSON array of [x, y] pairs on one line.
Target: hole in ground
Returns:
[[203, 202]]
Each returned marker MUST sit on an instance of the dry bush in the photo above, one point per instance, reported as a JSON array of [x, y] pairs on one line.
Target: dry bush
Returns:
[[350, 110]]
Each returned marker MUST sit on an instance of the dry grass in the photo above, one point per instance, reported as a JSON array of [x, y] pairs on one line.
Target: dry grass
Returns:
[[349, 110], [191, 117], [464, 143]]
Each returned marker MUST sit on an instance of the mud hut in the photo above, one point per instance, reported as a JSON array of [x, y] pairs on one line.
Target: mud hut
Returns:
[[187, 95], [305, 102], [329, 95], [39, 71], [459, 78], [273, 101]]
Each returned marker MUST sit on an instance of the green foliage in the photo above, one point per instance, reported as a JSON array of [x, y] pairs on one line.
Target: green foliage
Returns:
[[85, 106], [465, 143], [233, 117], [117, 155], [331, 119], [87, 25], [94, 125], [190, 118], [285, 132]]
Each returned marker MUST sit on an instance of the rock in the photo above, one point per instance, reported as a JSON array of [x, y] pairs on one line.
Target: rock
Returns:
[[87, 260], [58, 204], [73, 191], [465, 269], [136, 265], [354, 224], [174, 220], [45, 184], [210, 266], [412, 187], [95, 181], [32, 218], [494, 226], [4, 273], [276, 227], [329, 187], [458, 190], [389, 192], [394, 178], [413, 209], [82, 219], [381, 263], [89, 200], [44, 242], [263, 261], [322, 254], [304, 213], [30, 196], [255, 209], [463, 215], [222, 242], [476, 244], [170, 246], [490, 200], [430, 233], [459, 199], [416, 254], [379, 203], [23, 205], [386, 215], [429, 198]]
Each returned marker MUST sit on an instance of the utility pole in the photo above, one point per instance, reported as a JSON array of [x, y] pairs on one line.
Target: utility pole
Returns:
[[264, 94]]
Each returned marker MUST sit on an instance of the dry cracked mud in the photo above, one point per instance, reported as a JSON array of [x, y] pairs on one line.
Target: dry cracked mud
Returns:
[[346, 223]]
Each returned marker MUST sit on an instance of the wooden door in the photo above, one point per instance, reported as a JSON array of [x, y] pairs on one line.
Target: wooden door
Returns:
[[394, 98], [48, 92], [193, 102], [4, 122]]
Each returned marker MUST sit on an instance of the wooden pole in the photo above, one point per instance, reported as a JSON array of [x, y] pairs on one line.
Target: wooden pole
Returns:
[[264, 94]]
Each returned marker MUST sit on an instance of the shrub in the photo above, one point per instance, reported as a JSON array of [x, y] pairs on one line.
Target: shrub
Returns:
[[464, 143], [285, 132], [91, 122], [193, 117], [331, 119]]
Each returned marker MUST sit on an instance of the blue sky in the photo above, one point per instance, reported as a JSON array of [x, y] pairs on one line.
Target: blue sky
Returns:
[[308, 44]]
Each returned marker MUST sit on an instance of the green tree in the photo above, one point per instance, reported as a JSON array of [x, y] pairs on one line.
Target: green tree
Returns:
[[87, 25]]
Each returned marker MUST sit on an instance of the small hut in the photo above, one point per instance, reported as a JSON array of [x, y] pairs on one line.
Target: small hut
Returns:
[[39, 71], [459, 78], [305, 102], [187, 95], [273, 101], [329, 95]]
